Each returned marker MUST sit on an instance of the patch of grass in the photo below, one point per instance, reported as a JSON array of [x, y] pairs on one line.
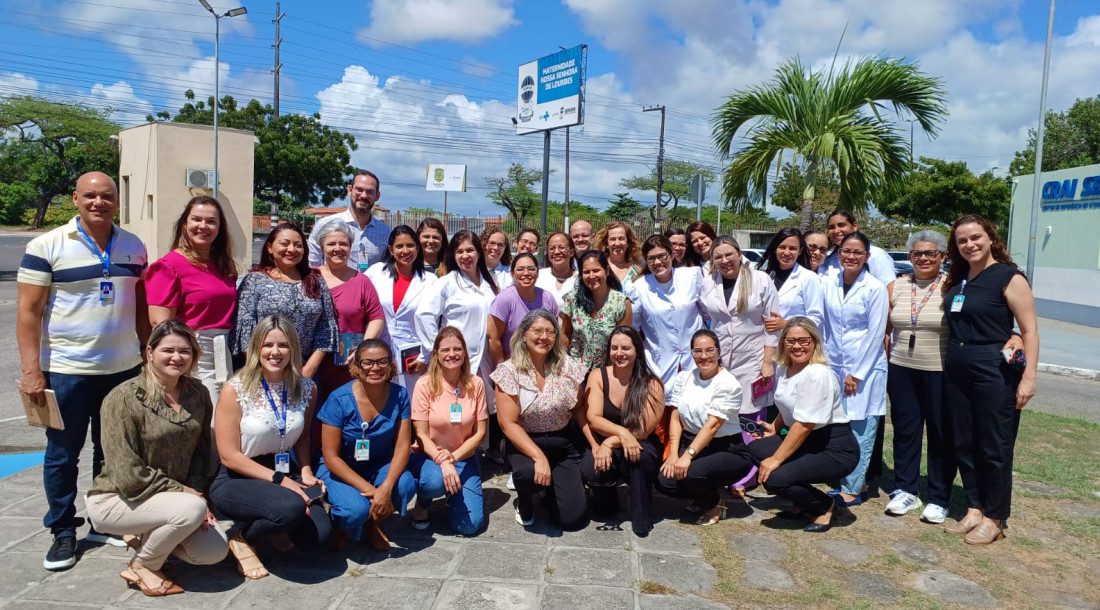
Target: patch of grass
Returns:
[[357, 572], [1027, 542], [1059, 451], [654, 588], [1084, 528], [548, 569]]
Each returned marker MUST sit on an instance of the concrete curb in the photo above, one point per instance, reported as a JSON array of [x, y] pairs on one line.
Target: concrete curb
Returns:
[[1068, 371]]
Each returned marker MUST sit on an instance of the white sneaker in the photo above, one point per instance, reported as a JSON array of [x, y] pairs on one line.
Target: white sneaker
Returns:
[[528, 522], [108, 539], [511, 484], [934, 513], [902, 502]]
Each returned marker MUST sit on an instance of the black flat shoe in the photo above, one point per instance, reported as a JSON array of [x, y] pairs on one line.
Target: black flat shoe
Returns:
[[817, 528], [791, 515]]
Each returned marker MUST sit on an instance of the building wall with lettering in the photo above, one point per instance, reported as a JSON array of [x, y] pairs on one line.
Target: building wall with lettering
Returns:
[[1067, 246]]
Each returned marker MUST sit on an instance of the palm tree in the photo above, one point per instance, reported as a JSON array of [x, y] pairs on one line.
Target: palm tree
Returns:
[[826, 118]]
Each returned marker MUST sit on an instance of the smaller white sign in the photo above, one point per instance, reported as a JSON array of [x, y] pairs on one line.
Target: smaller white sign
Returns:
[[446, 177]]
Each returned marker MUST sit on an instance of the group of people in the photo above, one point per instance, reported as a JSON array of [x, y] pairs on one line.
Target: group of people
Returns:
[[363, 371]]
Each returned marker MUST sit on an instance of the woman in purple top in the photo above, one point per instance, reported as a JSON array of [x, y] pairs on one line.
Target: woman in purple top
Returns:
[[512, 304], [195, 283]]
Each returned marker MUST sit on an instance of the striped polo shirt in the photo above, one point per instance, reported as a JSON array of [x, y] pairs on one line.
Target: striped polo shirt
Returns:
[[80, 335]]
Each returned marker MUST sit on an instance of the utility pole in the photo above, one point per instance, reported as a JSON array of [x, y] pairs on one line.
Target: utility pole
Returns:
[[545, 180], [1036, 186], [278, 42], [565, 205], [660, 159]]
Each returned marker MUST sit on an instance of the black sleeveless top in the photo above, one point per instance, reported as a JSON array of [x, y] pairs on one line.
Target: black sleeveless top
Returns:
[[610, 412], [985, 317]]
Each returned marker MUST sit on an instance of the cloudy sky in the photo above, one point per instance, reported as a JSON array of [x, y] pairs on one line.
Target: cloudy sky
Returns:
[[419, 81]]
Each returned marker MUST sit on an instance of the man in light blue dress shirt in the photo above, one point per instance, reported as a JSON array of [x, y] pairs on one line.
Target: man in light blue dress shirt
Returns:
[[369, 235]]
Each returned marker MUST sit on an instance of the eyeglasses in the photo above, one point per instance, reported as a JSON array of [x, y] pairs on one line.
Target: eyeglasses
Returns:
[[821, 249], [380, 363], [847, 252], [527, 269], [924, 253], [369, 192], [800, 341], [542, 332], [704, 351], [657, 258]]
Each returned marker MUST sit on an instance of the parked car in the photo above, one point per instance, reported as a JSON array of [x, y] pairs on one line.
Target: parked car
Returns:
[[901, 261], [753, 255]]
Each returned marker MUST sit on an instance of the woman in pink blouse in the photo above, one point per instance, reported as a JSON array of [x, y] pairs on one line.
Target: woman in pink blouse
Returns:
[[537, 393], [195, 283]]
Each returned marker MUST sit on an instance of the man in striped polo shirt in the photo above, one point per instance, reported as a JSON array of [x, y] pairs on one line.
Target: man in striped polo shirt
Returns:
[[81, 310]]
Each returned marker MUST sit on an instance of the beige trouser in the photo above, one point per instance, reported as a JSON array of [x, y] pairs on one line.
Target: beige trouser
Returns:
[[168, 522]]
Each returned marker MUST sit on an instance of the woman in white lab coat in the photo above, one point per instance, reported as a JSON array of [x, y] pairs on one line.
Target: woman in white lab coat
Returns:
[[559, 273], [666, 309], [787, 262], [856, 310], [401, 281], [738, 299], [498, 255], [461, 298]]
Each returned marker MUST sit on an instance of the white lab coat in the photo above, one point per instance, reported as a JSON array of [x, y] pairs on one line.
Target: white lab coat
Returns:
[[549, 283], [667, 315], [400, 330], [855, 325], [878, 261], [455, 301], [502, 275], [741, 334], [802, 295]]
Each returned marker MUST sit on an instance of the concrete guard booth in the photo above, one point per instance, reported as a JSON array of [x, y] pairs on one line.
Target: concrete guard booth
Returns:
[[163, 165], [1067, 246]]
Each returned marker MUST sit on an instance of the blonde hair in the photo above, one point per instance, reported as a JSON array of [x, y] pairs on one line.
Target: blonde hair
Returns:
[[744, 275], [435, 367], [250, 373], [782, 358], [521, 359], [154, 387]]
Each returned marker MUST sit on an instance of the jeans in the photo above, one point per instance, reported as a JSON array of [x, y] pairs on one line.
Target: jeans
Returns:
[[865, 431], [465, 509], [79, 398], [351, 509], [261, 509], [916, 405]]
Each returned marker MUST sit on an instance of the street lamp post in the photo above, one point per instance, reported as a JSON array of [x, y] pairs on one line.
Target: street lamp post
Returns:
[[217, 72]]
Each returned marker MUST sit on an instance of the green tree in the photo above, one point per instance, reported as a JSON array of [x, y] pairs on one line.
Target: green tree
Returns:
[[791, 186], [514, 192], [829, 118], [299, 162], [677, 182], [1070, 139], [941, 191], [623, 206], [45, 147]]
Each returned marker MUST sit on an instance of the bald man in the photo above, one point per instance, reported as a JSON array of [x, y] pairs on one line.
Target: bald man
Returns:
[[79, 314], [581, 232]]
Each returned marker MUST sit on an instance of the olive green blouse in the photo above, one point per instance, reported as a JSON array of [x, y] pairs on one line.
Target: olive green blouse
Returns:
[[149, 448]]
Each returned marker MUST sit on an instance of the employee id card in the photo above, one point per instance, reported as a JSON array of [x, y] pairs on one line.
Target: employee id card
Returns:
[[282, 462], [957, 303], [456, 413], [362, 449], [106, 292]]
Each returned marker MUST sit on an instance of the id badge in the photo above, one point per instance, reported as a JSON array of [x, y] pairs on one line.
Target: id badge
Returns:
[[363, 266], [106, 292], [362, 449], [957, 303], [456, 413], [282, 463]]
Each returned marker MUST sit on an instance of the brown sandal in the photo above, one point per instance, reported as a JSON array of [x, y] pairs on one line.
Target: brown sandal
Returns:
[[133, 579], [242, 552], [376, 538]]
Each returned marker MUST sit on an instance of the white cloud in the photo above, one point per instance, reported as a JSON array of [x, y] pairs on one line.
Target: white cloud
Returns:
[[126, 108], [13, 84], [413, 21]]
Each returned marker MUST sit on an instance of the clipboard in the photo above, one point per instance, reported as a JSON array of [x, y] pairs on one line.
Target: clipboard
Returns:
[[47, 415]]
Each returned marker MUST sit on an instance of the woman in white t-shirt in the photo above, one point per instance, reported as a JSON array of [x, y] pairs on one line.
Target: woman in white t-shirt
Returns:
[[704, 425], [820, 446]]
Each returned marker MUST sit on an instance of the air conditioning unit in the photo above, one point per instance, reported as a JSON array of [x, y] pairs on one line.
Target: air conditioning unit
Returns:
[[200, 178]]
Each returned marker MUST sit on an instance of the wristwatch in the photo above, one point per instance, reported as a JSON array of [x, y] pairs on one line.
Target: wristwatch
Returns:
[[277, 478], [691, 451]]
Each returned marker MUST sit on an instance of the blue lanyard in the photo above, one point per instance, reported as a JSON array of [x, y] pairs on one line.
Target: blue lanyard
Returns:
[[280, 418], [105, 256]]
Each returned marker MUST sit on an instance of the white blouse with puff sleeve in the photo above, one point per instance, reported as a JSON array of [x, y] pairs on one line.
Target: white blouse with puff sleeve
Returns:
[[697, 399], [811, 396]]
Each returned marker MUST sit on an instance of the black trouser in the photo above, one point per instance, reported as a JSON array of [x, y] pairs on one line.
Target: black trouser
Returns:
[[916, 404], [874, 467], [827, 454], [562, 450], [640, 477], [722, 462], [261, 509], [979, 395]]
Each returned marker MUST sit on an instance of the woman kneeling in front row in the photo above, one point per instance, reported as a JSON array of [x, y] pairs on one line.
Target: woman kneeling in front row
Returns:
[[366, 435], [156, 440], [820, 446], [704, 434]]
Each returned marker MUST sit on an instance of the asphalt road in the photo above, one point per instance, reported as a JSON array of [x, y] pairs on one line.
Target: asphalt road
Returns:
[[1059, 395]]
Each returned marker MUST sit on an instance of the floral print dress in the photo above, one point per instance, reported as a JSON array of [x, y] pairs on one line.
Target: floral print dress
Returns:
[[591, 332]]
